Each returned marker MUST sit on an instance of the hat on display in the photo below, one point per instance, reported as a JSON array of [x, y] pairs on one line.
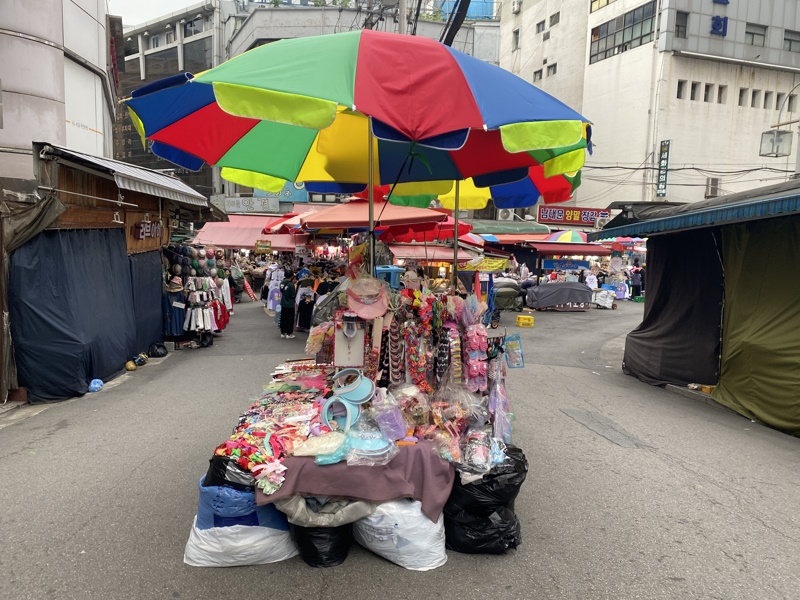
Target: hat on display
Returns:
[[192, 272], [193, 252], [176, 269], [187, 251], [211, 262], [212, 272], [179, 249], [175, 285], [209, 253], [368, 298], [195, 264], [201, 262], [186, 270], [220, 253]]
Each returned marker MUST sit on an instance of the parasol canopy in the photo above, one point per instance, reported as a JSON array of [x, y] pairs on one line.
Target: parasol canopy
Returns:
[[567, 237], [355, 215], [304, 109]]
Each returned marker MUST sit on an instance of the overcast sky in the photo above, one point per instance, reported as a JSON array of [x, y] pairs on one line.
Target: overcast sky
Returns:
[[135, 12]]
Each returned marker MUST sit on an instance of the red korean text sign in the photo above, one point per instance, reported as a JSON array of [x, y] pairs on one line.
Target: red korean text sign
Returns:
[[561, 215]]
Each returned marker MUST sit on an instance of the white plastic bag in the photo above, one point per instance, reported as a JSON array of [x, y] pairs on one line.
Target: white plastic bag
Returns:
[[237, 546], [399, 532]]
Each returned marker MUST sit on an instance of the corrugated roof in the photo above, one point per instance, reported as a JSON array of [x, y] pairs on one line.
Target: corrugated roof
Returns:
[[130, 177]]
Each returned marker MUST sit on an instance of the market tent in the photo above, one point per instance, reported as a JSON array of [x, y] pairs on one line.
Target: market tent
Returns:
[[285, 242], [292, 223], [760, 378], [493, 227], [243, 231], [355, 214], [275, 225], [429, 252], [554, 248], [427, 232], [678, 339], [514, 238]]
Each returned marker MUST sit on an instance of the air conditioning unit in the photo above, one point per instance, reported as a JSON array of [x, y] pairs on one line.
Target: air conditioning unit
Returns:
[[516, 6], [545, 36], [600, 223], [504, 214], [712, 187]]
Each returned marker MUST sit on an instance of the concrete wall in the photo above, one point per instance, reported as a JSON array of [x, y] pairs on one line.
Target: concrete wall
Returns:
[[47, 95]]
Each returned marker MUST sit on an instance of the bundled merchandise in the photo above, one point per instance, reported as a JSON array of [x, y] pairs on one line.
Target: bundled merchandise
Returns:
[[443, 397]]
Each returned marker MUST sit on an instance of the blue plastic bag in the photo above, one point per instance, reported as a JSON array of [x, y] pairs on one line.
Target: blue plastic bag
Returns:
[[221, 506], [96, 385]]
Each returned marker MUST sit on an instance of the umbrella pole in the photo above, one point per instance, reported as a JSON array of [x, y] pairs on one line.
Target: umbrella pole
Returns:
[[371, 196], [455, 242]]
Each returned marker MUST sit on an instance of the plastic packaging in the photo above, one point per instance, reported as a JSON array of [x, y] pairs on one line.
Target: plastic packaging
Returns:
[[224, 507], [310, 512], [322, 546], [369, 447], [237, 546], [336, 456], [413, 402], [492, 534], [399, 532], [95, 385], [499, 488], [499, 408], [327, 443], [223, 471], [477, 451], [392, 424]]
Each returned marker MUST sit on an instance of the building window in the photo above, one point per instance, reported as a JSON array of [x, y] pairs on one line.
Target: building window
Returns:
[[193, 27], [767, 99], [627, 31], [681, 23], [552, 69], [792, 103], [708, 93], [540, 27], [779, 98], [755, 35], [537, 76], [791, 41], [743, 96], [722, 94], [695, 90], [681, 88], [170, 37], [755, 99], [554, 19], [515, 40], [598, 4], [154, 41]]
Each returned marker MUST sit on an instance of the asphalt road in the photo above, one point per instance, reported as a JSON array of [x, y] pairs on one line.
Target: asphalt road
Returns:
[[633, 492]]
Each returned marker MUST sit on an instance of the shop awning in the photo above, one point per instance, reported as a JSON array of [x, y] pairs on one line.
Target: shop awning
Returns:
[[481, 226], [429, 252], [554, 248], [129, 177], [515, 238], [243, 231], [286, 242], [355, 214]]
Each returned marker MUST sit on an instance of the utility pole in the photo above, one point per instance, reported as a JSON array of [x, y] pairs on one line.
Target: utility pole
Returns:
[[368, 22], [402, 16]]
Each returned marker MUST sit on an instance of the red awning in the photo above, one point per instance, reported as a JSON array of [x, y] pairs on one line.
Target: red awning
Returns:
[[518, 238], [241, 232], [425, 232], [355, 214], [286, 242], [554, 248], [431, 253]]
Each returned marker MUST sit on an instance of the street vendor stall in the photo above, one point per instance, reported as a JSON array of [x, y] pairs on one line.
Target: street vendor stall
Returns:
[[408, 382]]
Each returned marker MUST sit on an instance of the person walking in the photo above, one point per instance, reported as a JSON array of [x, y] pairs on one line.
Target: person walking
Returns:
[[636, 279], [288, 295]]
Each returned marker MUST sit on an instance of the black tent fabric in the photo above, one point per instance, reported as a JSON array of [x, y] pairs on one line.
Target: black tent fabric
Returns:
[[553, 294], [678, 340], [760, 377], [147, 286], [71, 308]]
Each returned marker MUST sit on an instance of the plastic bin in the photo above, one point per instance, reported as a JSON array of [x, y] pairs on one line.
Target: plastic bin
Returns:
[[390, 274], [524, 321]]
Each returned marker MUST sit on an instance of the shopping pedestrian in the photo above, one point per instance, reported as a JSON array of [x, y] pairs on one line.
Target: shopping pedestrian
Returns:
[[288, 294], [636, 279]]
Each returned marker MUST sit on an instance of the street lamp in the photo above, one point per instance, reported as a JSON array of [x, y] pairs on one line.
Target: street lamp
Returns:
[[777, 143]]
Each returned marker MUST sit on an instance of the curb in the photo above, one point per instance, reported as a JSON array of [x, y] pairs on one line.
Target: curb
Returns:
[[697, 395]]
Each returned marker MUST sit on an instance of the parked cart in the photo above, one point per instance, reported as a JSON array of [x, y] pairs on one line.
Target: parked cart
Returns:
[[604, 299]]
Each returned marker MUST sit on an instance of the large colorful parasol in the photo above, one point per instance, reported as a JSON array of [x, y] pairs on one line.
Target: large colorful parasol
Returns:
[[340, 112]]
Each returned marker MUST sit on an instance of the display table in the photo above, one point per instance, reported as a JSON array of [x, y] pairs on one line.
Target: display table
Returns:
[[417, 472]]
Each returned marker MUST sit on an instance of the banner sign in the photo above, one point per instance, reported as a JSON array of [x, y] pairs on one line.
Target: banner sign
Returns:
[[663, 166], [586, 217], [566, 265], [263, 247], [291, 192]]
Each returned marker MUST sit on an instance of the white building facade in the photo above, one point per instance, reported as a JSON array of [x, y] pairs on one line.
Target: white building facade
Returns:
[[709, 76], [57, 80]]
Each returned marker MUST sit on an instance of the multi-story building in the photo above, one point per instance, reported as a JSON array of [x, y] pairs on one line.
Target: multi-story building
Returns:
[[57, 81], [709, 76], [208, 33]]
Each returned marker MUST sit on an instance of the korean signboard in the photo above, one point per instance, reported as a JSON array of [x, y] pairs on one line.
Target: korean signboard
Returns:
[[566, 265], [263, 247], [663, 166], [586, 217]]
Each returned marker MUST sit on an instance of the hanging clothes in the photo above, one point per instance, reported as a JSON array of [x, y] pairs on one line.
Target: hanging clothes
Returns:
[[174, 316], [225, 294], [305, 312]]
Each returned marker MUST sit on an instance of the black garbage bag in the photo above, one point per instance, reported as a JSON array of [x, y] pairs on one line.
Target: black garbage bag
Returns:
[[493, 534], [498, 489], [322, 546], [225, 472]]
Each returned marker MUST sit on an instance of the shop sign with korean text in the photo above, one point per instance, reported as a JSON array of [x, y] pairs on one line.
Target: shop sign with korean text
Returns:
[[566, 265], [263, 247], [663, 166], [585, 217]]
